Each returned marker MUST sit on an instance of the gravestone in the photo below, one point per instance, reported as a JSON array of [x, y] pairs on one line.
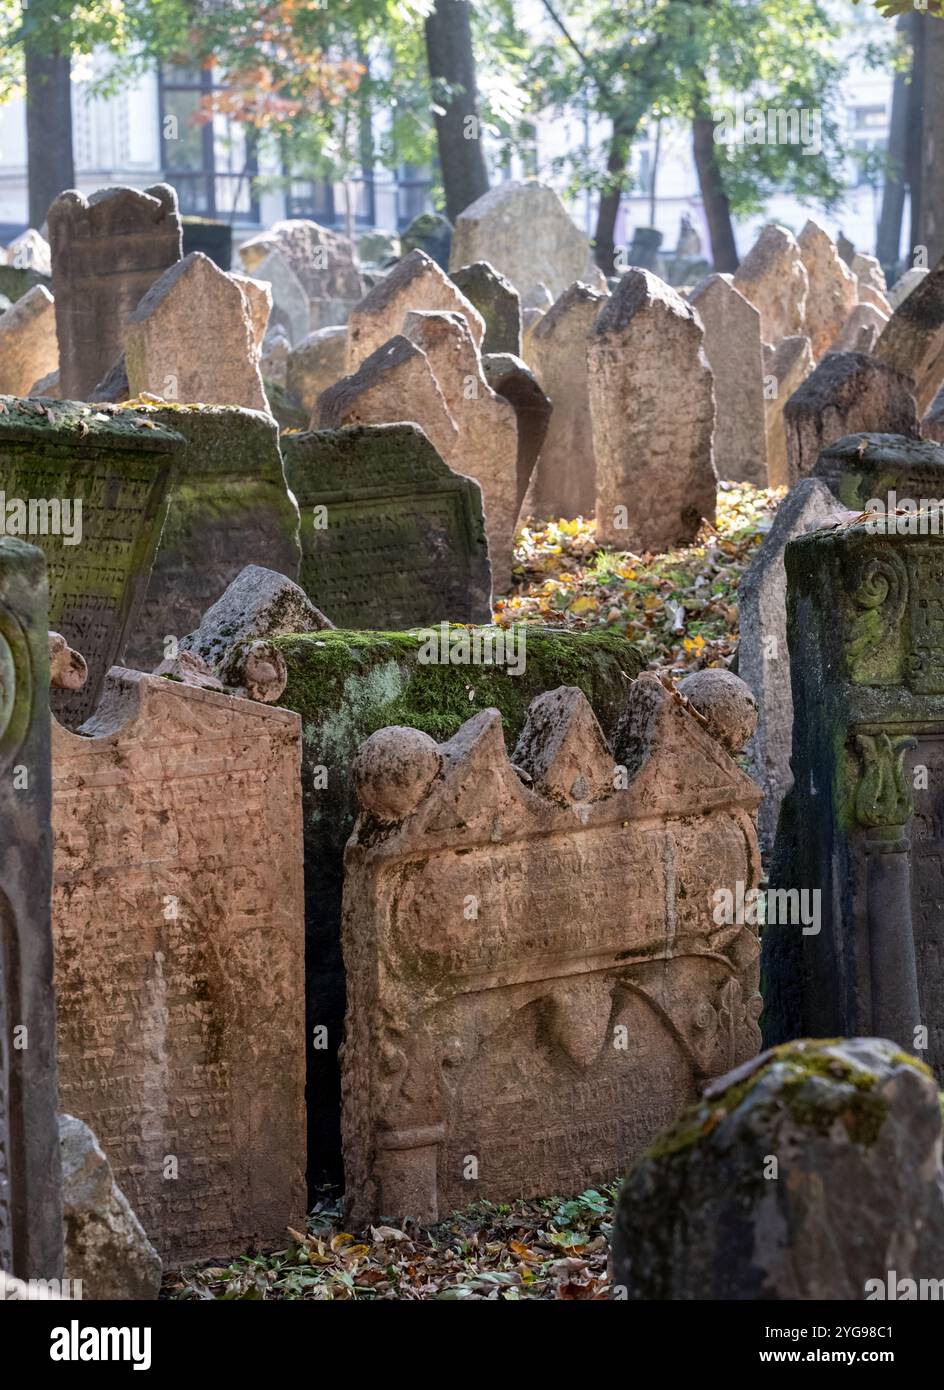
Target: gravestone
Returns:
[[395, 383], [391, 536], [416, 282], [107, 251], [321, 260], [486, 447], [314, 364], [30, 1187], [290, 309], [179, 958], [653, 413], [28, 347], [786, 367], [860, 330], [56, 455], [168, 339], [526, 233], [258, 296], [763, 655], [913, 339], [497, 301], [773, 278], [534, 1037], [832, 293], [564, 483], [852, 1211], [431, 233], [890, 469], [905, 283], [847, 393], [510, 378], [859, 832], [734, 352], [932, 424], [228, 507], [346, 685]]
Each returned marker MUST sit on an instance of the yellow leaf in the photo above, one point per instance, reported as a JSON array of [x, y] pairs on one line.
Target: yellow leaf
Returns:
[[584, 604]]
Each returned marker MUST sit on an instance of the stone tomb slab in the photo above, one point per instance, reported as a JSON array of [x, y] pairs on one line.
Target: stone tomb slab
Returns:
[[229, 507], [119, 466], [391, 536], [494, 971], [178, 926]]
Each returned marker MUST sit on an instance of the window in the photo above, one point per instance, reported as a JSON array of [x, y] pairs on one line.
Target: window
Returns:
[[212, 163]]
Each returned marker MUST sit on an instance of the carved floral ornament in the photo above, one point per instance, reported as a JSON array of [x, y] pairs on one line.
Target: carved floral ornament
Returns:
[[883, 795]]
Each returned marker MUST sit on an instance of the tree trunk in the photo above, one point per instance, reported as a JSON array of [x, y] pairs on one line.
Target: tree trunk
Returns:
[[604, 240], [915, 151], [888, 242], [724, 254], [458, 129], [932, 142], [50, 167]]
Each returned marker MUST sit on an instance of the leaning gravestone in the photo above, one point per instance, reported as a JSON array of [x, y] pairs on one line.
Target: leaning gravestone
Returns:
[[905, 284], [56, 455], [391, 536], [497, 301], [786, 367], [229, 507], [860, 330], [564, 483], [416, 282], [859, 833], [107, 251], [763, 657], [511, 379], [912, 341], [832, 288], [192, 339], [734, 352], [30, 1188], [178, 926], [497, 988], [28, 349], [655, 475], [854, 1209], [847, 393], [526, 233], [314, 364], [321, 260], [773, 278], [346, 685]]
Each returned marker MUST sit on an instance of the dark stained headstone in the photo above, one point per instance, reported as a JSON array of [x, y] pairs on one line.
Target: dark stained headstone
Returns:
[[55, 455], [30, 1187], [391, 536], [509, 377], [229, 507], [107, 251], [860, 468], [860, 834], [912, 341], [497, 301], [429, 232], [345, 686]]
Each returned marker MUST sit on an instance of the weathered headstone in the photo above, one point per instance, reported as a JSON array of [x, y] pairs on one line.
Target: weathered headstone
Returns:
[[932, 423], [812, 1173], [847, 393], [430, 232], [346, 685], [734, 352], [28, 347], [832, 293], [526, 233], [653, 413], [905, 284], [192, 339], [314, 364], [391, 536], [107, 251], [395, 383], [486, 447], [892, 469], [786, 367], [229, 507], [860, 330], [258, 296], [416, 282], [763, 655], [290, 309], [322, 261], [564, 483], [258, 603], [497, 301], [90, 488], [773, 278], [913, 339], [491, 963], [859, 833], [512, 379], [30, 1190], [179, 958]]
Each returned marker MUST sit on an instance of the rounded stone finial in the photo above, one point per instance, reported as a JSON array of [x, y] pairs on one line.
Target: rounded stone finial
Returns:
[[67, 669], [725, 702], [393, 770]]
